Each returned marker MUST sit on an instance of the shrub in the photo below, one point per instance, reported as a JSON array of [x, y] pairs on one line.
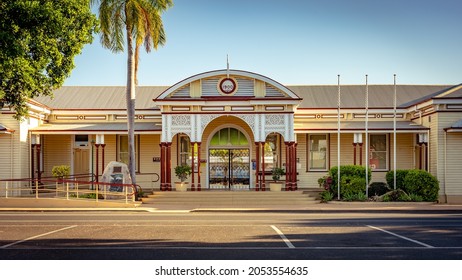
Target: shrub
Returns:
[[61, 171], [325, 182], [415, 197], [351, 171], [352, 185], [378, 189], [182, 172], [422, 183], [326, 196], [400, 175], [277, 173]]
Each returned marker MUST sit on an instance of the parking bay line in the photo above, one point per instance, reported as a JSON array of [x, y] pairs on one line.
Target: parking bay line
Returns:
[[283, 237], [400, 236], [36, 236]]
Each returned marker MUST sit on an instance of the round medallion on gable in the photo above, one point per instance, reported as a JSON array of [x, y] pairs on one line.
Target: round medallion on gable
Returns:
[[227, 86]]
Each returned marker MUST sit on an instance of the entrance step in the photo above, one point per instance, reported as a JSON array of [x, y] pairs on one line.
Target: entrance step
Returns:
[[247, 199]]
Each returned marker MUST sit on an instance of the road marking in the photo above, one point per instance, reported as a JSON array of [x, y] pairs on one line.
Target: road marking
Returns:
[[402, 237], [283, 237], [36, 236]]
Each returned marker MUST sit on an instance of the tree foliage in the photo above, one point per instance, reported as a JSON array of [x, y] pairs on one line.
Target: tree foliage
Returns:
[[38, 42]]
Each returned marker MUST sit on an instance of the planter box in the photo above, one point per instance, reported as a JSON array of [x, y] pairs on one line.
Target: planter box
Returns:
[[275, 187], [181, 187]]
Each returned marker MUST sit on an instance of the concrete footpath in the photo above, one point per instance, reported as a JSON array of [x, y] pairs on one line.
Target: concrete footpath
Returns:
[[59, 205]]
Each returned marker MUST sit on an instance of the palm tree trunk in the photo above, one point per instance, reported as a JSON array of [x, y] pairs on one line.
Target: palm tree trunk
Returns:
[[130, 95]]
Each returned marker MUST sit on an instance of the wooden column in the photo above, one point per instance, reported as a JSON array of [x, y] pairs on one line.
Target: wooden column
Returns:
[[257, 172], [32, 159], [263, 183], [162, 166], [354, 153], [287, 166], [169, 166], [198, 166], [294, 180], [102, 156], [193, 186], [97, 162], [360, 153]]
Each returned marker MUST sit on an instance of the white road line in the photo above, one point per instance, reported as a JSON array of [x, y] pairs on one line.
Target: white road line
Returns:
[[36, 236], [402, 237], [283, 237]]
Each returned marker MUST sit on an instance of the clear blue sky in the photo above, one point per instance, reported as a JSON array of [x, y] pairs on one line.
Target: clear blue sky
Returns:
[[296, 42]]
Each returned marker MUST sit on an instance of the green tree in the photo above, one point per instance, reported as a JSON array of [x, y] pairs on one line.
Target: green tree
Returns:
[[139, 21], [38, 42]]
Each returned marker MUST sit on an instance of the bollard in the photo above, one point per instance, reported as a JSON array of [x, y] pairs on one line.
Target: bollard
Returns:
[[67, 191], [6, 190]]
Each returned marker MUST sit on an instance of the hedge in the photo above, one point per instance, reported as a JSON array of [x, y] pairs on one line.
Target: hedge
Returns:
[[400, 175], [352, 179], [422, 183]]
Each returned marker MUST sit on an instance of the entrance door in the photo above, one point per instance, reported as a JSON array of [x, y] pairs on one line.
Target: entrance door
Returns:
[[81, 161], [229, 169]]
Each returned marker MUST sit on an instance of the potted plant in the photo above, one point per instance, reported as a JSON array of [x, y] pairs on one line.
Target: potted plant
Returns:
[[276, 186], [61, 171], [182, 172]]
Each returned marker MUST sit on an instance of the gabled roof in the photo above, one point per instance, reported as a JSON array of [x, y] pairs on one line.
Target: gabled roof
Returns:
[[211, 91]]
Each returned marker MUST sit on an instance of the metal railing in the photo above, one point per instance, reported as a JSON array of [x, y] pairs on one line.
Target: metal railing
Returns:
[[69, 188]]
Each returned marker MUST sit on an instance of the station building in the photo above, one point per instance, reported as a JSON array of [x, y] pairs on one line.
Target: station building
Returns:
[[233, 127]]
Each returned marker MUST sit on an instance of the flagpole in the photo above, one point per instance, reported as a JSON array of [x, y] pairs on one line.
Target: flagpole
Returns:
[[338, 138], [367, 138], [227, 66], [394, 133]]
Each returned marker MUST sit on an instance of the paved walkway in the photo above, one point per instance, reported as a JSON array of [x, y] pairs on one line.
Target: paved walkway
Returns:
[[44, 204]]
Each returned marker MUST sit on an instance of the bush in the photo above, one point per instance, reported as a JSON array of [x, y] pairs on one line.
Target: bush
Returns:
[[326, 196], [61, 171], [400, 175], [422, 183], [349, 171], [350, 185], [378, 189]]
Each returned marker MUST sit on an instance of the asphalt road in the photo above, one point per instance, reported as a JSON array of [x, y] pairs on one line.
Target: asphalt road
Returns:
[[237, 236]]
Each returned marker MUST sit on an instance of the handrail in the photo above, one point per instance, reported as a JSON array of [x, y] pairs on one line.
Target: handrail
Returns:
[[70, 187]]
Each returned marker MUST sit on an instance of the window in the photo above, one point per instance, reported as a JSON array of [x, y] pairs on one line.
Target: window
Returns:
[[317, 152], [378, 156], [272, 151], [122, 150], [184, 153]]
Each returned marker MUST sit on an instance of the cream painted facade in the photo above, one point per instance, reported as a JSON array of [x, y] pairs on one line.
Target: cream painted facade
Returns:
[[293, 127]]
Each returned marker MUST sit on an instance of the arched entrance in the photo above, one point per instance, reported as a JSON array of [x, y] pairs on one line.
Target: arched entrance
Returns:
[[229, 160]]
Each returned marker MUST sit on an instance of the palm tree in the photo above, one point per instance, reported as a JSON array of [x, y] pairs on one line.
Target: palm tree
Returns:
[[141, 23]]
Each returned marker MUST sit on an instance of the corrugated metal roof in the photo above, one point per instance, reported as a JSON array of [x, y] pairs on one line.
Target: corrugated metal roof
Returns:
[[100, 97], [107, 128], [317, 96], [359, 126], [353, 96]]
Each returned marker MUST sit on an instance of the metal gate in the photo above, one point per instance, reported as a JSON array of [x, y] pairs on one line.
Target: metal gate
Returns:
[[229, 169]]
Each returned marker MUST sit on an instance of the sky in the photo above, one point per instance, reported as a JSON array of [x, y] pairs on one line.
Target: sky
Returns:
[[295, 42]]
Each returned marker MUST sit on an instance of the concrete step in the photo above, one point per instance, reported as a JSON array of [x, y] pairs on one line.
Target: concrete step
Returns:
[[232, 198]]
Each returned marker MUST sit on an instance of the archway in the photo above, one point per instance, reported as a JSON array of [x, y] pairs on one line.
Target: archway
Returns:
[[229, 158]]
